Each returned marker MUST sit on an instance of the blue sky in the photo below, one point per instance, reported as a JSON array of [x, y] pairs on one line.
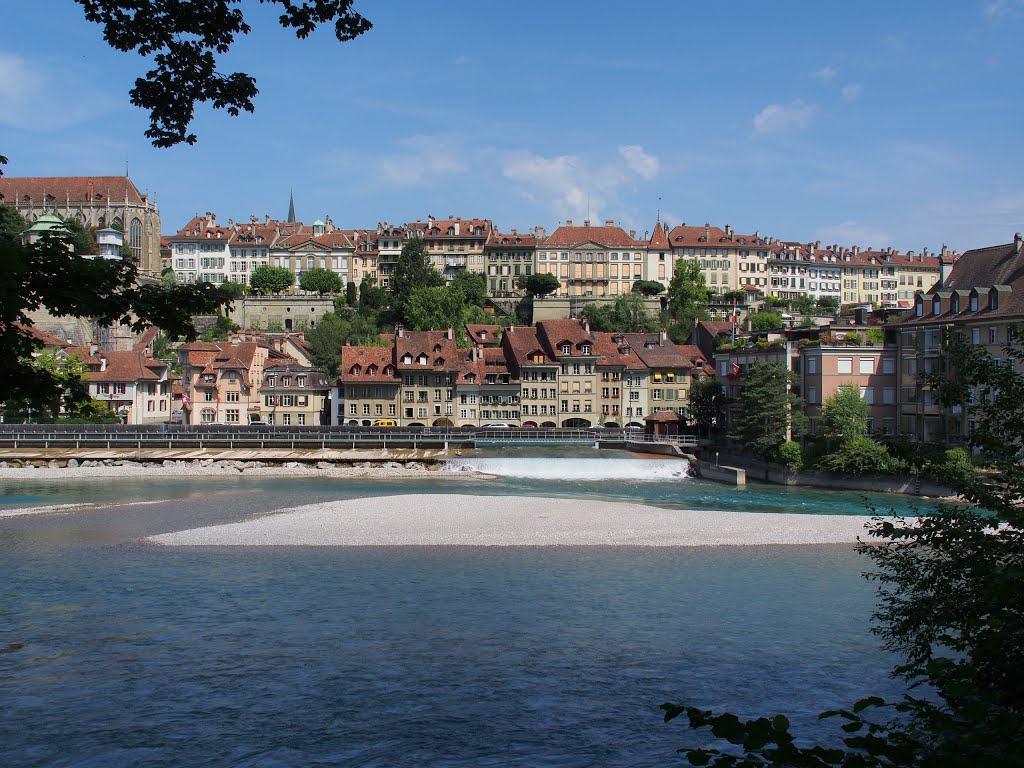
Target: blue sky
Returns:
[[870, 123]]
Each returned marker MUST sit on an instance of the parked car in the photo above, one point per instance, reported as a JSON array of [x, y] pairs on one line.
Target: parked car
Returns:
[[497, 425], [385, 423]]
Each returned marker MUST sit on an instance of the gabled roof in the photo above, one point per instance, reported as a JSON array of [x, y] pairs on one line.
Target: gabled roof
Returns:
[[511, 239], [356, 363], [522, 342], [708, 236], [133, 366], [658, 352], [435, 345], [567, 236], [556, 332], [80, 190], [203, 229], [659, 240], [478, 333], [435, 229]]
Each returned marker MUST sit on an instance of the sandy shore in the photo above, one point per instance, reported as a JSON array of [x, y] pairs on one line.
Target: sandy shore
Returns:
[[442, 519], [194, 469]]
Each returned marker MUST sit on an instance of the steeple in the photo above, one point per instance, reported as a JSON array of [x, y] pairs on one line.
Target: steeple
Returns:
[[291, 207]]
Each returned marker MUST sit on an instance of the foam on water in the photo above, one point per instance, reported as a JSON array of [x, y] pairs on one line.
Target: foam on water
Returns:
[[548, 468]]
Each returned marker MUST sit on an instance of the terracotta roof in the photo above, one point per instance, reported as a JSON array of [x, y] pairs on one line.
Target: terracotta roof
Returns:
[[301, 236], [657, 352], [556, 332], [659, 240], [146, 339], [610, 237], [483, 334], [435, 345], [56, 190], [131, 366], [711, 236], [523, 342], [511, 240], [203, 229], [665, 417], [356, 363], [44, 338], [438, 228], [999, 267]]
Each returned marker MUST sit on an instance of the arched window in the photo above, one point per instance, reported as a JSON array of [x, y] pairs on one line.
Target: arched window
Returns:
[[135, 240]]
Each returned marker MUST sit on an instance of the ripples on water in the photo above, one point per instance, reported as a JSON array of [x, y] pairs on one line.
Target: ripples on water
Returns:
[[147, 656]]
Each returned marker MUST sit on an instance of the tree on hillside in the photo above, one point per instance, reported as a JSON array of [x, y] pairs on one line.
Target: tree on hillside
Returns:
[[232, 288], [770, 414], [435, 308], [414, 270], [12, 224], [320, 280], [766, 321], [333, 332], [266, 280], [687, 299], [648, 287], [185, 40], [844, 416], [351, 294], [627, 314], [830, 303], [372, 298], [472, 285], [540, 284], [950, 585]]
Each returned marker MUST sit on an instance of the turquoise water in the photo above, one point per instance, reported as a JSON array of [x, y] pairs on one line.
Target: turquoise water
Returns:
[[119, 653]]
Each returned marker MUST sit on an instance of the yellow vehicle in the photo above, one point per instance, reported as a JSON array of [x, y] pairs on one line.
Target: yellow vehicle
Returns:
[[385, 423]]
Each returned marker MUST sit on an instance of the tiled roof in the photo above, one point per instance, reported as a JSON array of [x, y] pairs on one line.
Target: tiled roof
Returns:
[[511, 240], [522, 342], [301, 236], [610, 237], [555, 332], [981, 269], [710, 236], [434, 344], [356, 363], [438, 228], [483, 334], [203, 229], [658, 352], [125, 367], [659, 240], [82, 190]]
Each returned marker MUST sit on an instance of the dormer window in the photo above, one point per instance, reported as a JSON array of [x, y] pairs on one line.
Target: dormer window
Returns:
[[407, 358], [471, 378], [356, 370], [389, 371], [271, 381], [372, 370], [567, 349], [955, 303], [421, 360], [300, 381], [585, 349], [437, 348], [439, 362], [936, 306], [919, 306], [993, 299], [974, 302]]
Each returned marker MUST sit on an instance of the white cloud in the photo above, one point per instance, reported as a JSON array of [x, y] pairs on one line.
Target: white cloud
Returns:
[[852, 91], [994, 8], [825, 73], [782, 118], [644, 165], [422, 160], [34, 100], [851, 232], [572, 187]]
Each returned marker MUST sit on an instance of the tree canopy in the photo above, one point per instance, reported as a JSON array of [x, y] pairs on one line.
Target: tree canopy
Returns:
[[413, 270], [540, 284], [687, 299], [320, 280], [336, 330], [950, 583], [705, 403], [766, 320], [770, 415], [265, 280], [648, 287], [844, 416], [185, 41], [627, 314]]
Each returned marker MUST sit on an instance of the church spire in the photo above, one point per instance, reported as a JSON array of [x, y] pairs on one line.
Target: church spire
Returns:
[[291, 207]]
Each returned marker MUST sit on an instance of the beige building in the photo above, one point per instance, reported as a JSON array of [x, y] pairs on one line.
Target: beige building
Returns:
[[294, 395], [131, 384], [455, 243], [368, 387], [592, 261]]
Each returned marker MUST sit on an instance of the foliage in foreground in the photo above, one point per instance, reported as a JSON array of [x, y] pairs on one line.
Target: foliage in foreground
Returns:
[[950, 605], [771, 415]]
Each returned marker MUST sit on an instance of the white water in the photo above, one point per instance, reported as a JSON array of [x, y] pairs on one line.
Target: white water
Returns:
[[574, 469]]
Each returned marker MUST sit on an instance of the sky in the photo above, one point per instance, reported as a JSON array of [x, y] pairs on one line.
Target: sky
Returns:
[[870, 123]]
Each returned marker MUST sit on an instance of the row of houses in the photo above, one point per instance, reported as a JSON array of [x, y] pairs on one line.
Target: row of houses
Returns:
[[589, 260], [887, 356]]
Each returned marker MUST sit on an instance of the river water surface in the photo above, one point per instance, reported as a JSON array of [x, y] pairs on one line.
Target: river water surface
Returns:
[[117, 652]]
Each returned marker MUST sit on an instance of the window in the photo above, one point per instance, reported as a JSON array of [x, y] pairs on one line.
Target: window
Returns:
[[566, 349], [867, 394], [975, 335], [286, 419], [889, 396], [888, 366], [231, 416], [812, 365], [993, 334], [867, 365], [231, 397], [844, 365]]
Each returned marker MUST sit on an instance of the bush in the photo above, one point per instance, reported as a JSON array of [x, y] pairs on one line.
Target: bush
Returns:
[[861, 456], [789, 453]]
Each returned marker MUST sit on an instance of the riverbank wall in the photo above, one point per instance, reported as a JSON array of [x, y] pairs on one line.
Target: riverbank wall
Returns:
[[710, 462]]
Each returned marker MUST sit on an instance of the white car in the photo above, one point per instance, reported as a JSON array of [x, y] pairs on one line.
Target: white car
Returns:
[[497, 425]]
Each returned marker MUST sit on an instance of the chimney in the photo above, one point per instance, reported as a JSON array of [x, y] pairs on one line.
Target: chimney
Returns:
[[586, 326], [632, 233], [663, 337], [609, 222], [586, 222], [568, 222], [103, 362], [450, 334], [266, 218], [234, 339], [728, 229], [1018, 243]]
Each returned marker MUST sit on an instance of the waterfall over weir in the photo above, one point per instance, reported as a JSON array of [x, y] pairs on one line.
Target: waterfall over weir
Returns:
[[572, 469]]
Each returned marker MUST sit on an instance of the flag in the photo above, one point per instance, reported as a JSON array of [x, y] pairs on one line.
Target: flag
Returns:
[[184, 400], [735, 370]]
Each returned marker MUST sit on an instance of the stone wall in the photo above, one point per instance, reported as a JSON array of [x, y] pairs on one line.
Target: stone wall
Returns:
[[284, 313]]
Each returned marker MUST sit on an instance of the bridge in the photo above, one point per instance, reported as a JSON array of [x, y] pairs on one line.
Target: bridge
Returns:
[[164, 436]]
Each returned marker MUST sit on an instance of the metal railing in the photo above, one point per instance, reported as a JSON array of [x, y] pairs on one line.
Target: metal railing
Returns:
[[157, 437]]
